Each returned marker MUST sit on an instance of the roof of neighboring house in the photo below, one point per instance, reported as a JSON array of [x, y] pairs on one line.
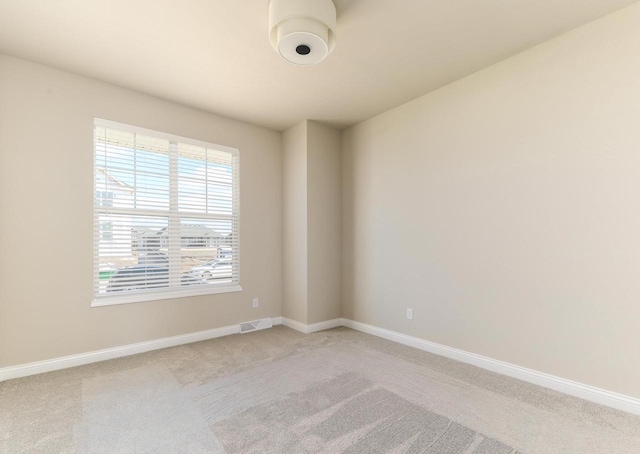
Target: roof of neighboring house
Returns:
[[111, 179], [197, 231], [186, 231]]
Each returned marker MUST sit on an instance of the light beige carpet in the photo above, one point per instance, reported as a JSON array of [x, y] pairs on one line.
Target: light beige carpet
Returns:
[[281, 391]]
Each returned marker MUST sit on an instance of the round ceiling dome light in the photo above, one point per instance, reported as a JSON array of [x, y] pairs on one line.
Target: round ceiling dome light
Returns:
[[303, 32]]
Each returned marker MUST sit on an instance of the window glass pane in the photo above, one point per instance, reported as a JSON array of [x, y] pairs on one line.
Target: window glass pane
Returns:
[[133, 168], [128, 246], [205, 180], [207, 248]]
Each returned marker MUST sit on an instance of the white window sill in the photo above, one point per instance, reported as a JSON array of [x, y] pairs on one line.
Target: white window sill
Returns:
[[138, 297]]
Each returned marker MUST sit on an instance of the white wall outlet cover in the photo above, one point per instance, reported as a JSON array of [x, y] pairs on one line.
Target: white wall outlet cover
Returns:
[[256, 302], [410, 314]]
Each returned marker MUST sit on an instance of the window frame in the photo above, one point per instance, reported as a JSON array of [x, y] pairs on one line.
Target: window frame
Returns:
[[171, 292]]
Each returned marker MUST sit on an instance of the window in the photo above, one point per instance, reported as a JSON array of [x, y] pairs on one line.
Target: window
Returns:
[[166, 216]]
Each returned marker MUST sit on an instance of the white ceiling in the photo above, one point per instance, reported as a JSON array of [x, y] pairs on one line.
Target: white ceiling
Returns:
[[215, 54]]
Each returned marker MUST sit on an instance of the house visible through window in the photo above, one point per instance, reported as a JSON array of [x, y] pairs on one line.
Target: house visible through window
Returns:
[[104, 198], [166, 215], [106, 230]]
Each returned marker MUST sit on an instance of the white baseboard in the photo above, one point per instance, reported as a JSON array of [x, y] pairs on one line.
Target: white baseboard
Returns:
[[586, 392], [314, 327], [39, 367]]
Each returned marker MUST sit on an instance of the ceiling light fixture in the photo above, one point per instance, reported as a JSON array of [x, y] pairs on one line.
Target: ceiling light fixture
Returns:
[[303, 32]]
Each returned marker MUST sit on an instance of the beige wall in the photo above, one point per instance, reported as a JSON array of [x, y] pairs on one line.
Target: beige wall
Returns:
[[294, 305], [324, 222], [46, 202], [505, 210], [312, 222]]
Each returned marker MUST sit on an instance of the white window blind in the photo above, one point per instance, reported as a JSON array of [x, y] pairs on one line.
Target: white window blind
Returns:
[[166, 215]]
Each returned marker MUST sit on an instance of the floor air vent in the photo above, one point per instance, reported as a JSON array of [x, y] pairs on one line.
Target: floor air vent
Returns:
[[246, 327]]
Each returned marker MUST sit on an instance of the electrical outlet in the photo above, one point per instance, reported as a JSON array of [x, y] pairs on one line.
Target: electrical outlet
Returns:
[[256, 302], [409, 314]]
